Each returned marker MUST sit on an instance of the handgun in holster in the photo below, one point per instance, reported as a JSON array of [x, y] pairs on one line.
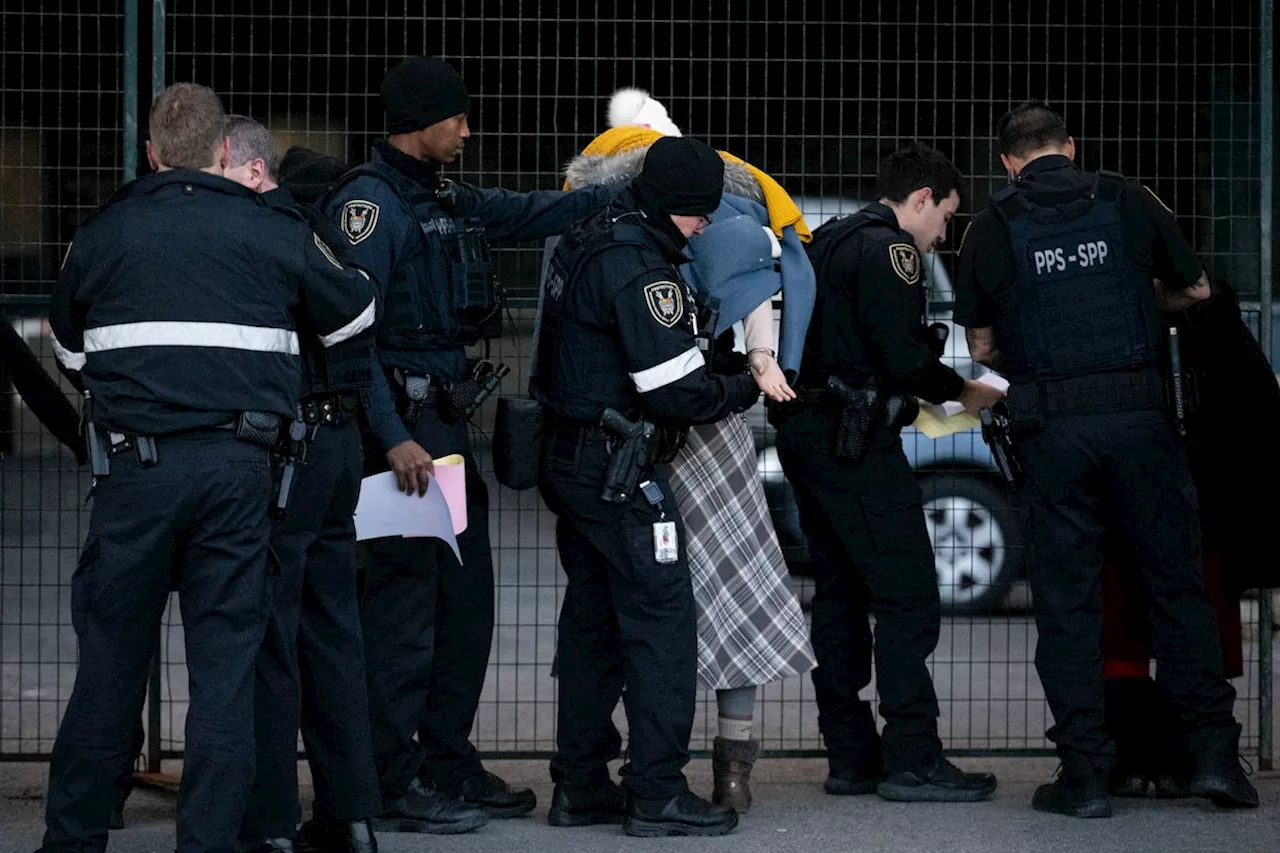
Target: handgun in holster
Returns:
[[997, 432], [630, 458], [857, 416], [469, 393]]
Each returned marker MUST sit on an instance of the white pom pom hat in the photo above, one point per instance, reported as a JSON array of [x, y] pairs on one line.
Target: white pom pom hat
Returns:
[[634, 106]]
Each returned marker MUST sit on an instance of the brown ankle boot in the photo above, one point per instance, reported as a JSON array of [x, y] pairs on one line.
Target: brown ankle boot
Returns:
[[731, 762]]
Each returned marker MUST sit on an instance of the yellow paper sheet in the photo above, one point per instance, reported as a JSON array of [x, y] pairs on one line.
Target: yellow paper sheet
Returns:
[[935, 427]]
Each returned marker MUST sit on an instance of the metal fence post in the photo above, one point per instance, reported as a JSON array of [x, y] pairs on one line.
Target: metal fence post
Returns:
[[130, 89], [1266, 141], [157, 47]]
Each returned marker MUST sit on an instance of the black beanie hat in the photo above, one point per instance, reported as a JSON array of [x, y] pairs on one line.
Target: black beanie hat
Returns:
[[308, 174], [421, 91], [683, 176]]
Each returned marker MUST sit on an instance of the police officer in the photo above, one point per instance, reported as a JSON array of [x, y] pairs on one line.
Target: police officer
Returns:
[[310, 670], [867, 357], [428, 619], [176, 311], [1056, 291], [618, 336]]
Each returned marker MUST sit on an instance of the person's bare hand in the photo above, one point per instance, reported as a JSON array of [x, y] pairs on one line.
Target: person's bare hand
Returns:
[[1180, 300], [769, 378], [413, 467], [977, 396]]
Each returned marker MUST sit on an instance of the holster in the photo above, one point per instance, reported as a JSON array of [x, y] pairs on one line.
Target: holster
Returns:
[[858, 414], [631, 456], [517, 442]]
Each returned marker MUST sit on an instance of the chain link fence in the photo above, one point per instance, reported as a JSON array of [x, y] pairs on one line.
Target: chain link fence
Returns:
[[1167, 93]]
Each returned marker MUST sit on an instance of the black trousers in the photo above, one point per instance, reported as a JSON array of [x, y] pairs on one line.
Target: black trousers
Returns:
[[428, 627], [1124, 472], [627, 620], [310, 669], [204, 507], [865, 523]]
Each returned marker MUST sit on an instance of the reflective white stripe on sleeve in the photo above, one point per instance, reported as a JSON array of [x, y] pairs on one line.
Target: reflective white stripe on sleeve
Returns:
[[671, 370], [355, 327], [70, 360], [177, 334]]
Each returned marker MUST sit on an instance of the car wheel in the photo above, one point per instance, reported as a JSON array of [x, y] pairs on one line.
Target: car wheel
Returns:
[[977, 542]]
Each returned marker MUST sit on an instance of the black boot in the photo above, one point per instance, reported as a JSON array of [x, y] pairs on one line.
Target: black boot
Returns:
[[496, 797], [272, 845], [941, 782], [424, 808], [857, 774], [1217, 775], [1129, 713], [1079, 791], [336, 836], [683, 814], [584, 806]]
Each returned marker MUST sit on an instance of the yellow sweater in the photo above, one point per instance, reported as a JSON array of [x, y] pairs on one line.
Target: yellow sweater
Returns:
[[782, 210]]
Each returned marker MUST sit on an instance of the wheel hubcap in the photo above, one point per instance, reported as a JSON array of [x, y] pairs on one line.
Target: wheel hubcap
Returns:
[[968, 547]]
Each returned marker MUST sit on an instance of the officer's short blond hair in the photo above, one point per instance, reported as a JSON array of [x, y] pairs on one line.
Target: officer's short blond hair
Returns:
[[188, 123]]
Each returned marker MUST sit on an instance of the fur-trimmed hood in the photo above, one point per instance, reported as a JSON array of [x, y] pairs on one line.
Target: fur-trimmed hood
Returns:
[[625, 165], [754, 245]]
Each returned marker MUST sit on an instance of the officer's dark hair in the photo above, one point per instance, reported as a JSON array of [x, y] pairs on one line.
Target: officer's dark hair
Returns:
[[251, 141], [187, 124], [1030, 126], [914, 167]]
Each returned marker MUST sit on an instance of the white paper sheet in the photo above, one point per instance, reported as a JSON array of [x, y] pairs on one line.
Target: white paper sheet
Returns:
[[384, 510]]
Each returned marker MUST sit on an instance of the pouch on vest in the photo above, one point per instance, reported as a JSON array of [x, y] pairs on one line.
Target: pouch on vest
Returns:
[[476, 295], [517, 442]]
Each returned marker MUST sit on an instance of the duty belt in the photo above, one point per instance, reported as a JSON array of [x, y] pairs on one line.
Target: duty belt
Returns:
[[259, 428], [808, 394], [332, 408], [1126, 390]]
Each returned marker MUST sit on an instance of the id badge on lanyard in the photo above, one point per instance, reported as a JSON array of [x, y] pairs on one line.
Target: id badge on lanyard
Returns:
[[666, 540]]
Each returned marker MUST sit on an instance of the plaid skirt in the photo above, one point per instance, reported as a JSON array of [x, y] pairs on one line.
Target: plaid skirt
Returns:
[[751, 630]]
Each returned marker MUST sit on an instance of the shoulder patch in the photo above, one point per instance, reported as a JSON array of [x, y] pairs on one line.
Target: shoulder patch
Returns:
[[1158, 199], [359, 218], [666, 302], [326, 251], [905, 261]]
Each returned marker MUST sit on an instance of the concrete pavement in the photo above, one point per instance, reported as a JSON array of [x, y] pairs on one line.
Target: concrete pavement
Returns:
[[792, 814]]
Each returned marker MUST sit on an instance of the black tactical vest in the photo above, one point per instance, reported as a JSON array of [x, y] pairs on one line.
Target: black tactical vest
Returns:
[[827, 238], [587, 341], [1080, 305], [443, 294]]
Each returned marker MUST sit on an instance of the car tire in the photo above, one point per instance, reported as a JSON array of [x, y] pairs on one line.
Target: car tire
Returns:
[[977, 541]]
